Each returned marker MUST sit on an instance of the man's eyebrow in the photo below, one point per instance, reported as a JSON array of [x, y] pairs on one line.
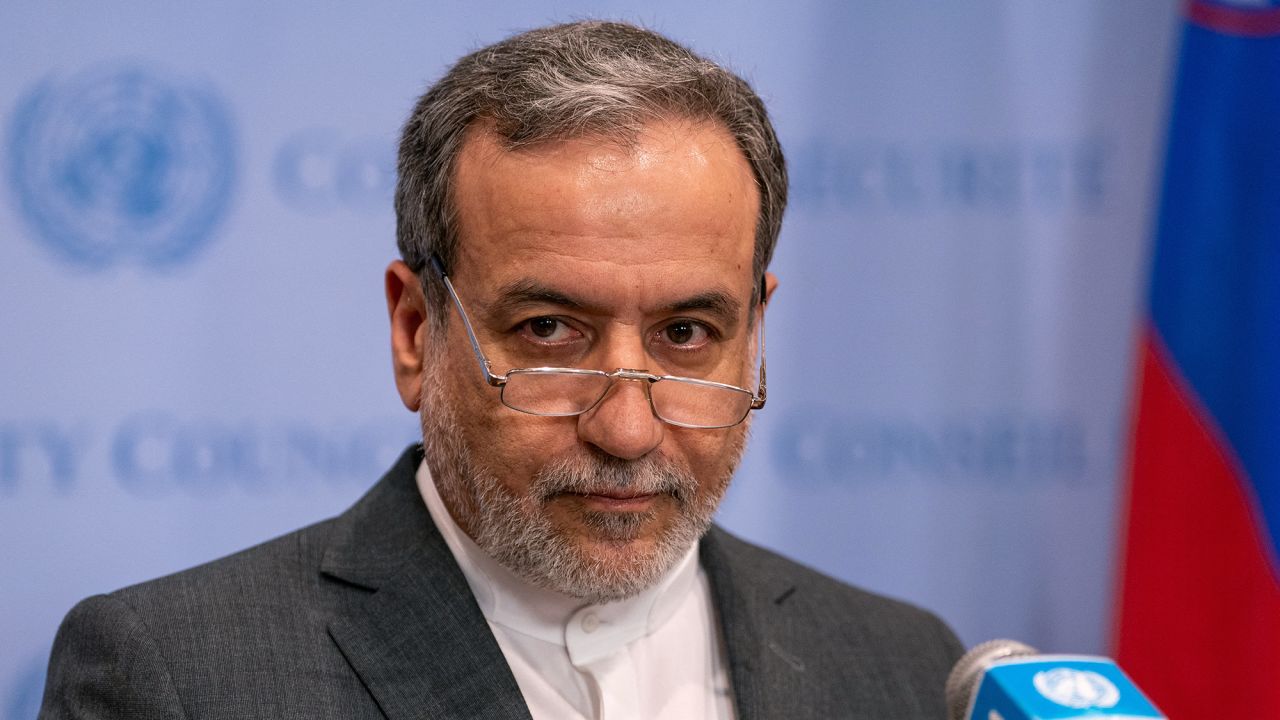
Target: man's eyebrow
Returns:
[[531, 292], [717, 302], [720, 303]]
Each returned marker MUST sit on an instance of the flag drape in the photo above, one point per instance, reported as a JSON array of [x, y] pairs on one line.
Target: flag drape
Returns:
[[1198, 621]]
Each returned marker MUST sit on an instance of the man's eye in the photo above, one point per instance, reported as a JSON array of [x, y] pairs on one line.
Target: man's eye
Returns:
[[544, 327], [548, 329], [685, 332]]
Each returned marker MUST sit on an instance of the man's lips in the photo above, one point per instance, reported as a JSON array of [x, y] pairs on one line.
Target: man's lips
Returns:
[[617, 500]]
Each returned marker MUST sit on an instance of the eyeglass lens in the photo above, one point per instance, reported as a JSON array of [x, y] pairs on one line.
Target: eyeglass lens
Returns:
[[674, 400], [553, 393]]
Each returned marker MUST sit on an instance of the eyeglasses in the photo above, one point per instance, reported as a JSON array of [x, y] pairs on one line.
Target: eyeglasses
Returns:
[[565, 392]]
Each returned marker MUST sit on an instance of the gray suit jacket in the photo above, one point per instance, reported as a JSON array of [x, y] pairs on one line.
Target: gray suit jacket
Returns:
[[368, 616]]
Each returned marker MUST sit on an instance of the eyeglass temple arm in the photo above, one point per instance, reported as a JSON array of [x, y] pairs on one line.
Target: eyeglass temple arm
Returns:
[[485, 367], [762, 393]]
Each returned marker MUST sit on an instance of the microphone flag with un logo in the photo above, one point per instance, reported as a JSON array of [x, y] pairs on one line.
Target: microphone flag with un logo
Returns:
[[1198, 611], [1007, 680], [1049, 687]]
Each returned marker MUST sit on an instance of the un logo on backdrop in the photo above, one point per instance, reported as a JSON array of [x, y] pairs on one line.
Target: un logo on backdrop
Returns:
[[122, 165]]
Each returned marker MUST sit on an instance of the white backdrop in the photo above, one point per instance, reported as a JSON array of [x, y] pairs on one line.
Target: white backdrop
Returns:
[[195, 215]]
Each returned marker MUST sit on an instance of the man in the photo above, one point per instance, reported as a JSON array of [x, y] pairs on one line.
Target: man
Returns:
[[585, 216]]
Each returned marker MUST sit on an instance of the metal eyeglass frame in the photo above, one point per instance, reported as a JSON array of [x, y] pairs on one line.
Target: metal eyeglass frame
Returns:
[[498, 381]]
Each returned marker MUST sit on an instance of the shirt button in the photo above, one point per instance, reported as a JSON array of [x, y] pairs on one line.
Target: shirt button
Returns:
[[590, 622]]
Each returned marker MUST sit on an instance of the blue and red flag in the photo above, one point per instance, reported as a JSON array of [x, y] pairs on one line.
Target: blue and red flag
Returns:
[[1198, 622]]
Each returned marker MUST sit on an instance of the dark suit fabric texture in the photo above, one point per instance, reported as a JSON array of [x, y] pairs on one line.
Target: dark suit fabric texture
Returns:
[[367, 615]]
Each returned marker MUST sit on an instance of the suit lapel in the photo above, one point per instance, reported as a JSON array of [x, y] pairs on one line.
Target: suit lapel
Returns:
[[769, 677], [407, 622]]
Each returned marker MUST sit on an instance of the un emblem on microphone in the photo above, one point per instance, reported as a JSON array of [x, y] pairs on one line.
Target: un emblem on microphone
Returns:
[[122, 165], [1076, 688]]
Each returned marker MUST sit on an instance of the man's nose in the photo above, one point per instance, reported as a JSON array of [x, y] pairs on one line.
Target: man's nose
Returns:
[[623, 424]]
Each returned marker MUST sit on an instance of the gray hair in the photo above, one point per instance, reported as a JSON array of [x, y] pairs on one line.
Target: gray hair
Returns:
[[569, 81]]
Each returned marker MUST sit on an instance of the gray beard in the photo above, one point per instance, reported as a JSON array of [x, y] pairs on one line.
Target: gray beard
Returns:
[[517, 530]]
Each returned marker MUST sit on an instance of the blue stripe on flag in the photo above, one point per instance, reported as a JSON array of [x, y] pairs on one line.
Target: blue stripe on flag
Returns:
[[1215, 294]]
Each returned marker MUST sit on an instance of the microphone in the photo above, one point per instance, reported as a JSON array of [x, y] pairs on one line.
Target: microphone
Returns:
[[1007, 680]]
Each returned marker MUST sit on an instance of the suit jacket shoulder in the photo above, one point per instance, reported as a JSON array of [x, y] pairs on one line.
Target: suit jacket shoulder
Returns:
[[234, 637], [363, 616], [802, 644]]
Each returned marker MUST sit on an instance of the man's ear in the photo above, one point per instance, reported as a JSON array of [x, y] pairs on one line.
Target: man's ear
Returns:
[[770, 284], [407, 309]]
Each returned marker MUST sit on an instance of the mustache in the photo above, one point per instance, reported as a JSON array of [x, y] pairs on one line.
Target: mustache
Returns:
[[598, 474]]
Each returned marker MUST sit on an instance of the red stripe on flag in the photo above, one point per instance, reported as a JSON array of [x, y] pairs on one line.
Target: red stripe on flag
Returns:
[[1246, 22], [1199, 613]]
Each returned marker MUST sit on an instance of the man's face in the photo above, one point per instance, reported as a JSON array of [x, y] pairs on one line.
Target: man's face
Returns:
[[592, 253]]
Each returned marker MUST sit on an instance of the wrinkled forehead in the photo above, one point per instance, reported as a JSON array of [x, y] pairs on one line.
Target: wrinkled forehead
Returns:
[[675, 192]]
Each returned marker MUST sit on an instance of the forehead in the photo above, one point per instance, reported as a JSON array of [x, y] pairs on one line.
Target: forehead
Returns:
[[672, 206]]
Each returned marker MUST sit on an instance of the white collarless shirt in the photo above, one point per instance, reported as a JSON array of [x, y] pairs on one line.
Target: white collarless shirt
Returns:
[[655, 655]]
